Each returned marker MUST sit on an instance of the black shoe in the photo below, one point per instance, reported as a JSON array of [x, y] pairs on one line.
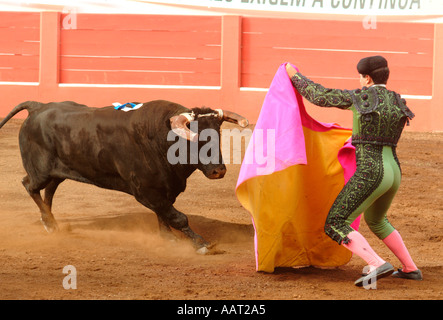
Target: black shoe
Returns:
[[413, 275], [384, 270]]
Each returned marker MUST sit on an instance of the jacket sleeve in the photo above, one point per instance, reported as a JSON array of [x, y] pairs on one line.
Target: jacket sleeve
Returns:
[[319, 95]]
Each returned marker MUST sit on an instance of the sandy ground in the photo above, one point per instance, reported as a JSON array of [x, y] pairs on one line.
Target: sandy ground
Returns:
[[113, 242]]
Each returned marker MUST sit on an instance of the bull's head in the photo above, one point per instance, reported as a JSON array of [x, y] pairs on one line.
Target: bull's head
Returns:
[[201, 128]]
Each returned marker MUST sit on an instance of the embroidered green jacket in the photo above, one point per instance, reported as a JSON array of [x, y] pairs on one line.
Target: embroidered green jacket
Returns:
[[379, 114]]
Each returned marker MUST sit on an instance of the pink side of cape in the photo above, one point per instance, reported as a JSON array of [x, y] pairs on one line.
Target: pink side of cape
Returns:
[[284, 114]]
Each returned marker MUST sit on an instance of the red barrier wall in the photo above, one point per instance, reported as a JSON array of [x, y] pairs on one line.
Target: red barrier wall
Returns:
[[329, 51], [161, 50], [217, 61], [20, 46]]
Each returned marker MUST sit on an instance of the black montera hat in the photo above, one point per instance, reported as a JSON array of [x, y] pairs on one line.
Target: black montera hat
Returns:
[[370, 64]]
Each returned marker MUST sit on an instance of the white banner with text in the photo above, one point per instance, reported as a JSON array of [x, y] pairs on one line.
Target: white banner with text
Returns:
[[355, 7]]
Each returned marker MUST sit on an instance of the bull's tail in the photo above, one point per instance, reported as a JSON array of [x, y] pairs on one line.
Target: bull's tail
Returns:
[[22, 106]]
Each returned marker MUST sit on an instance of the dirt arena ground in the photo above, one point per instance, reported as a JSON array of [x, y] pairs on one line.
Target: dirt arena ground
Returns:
[[113, 241]]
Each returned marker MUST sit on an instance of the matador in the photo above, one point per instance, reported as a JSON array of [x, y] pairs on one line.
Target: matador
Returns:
[[379, 116]]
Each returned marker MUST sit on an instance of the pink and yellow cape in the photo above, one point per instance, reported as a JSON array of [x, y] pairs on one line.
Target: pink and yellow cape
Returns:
[[293, 169]]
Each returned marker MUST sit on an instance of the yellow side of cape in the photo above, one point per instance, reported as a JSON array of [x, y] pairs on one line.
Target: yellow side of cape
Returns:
[[289, 207]]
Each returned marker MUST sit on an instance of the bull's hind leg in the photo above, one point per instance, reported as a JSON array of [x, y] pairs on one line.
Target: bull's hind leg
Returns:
[[45, 208], [50, 190]]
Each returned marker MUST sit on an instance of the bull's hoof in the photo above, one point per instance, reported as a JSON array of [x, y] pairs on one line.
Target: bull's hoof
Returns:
[[203, 250], [50, 226], [209, 249]]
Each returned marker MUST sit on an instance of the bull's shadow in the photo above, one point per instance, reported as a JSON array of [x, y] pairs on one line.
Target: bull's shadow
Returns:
[[215, 231]]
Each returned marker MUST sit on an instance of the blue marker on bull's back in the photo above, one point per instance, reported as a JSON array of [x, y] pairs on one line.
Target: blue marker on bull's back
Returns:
[[129, 106]]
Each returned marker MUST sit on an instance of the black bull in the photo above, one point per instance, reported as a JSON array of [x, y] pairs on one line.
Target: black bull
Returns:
[[123, 151]]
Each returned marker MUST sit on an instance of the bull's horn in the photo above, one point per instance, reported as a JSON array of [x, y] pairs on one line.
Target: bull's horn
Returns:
[[232, 117], [179, 126]]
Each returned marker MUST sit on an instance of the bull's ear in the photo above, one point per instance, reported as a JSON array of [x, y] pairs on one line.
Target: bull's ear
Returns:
[[232, 117], [179, 124]]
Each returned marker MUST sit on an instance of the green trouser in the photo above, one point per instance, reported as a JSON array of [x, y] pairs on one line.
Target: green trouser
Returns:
[[370, 190]]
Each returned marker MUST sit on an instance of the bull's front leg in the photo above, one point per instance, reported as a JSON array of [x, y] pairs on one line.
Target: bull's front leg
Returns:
[[171, 217]]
